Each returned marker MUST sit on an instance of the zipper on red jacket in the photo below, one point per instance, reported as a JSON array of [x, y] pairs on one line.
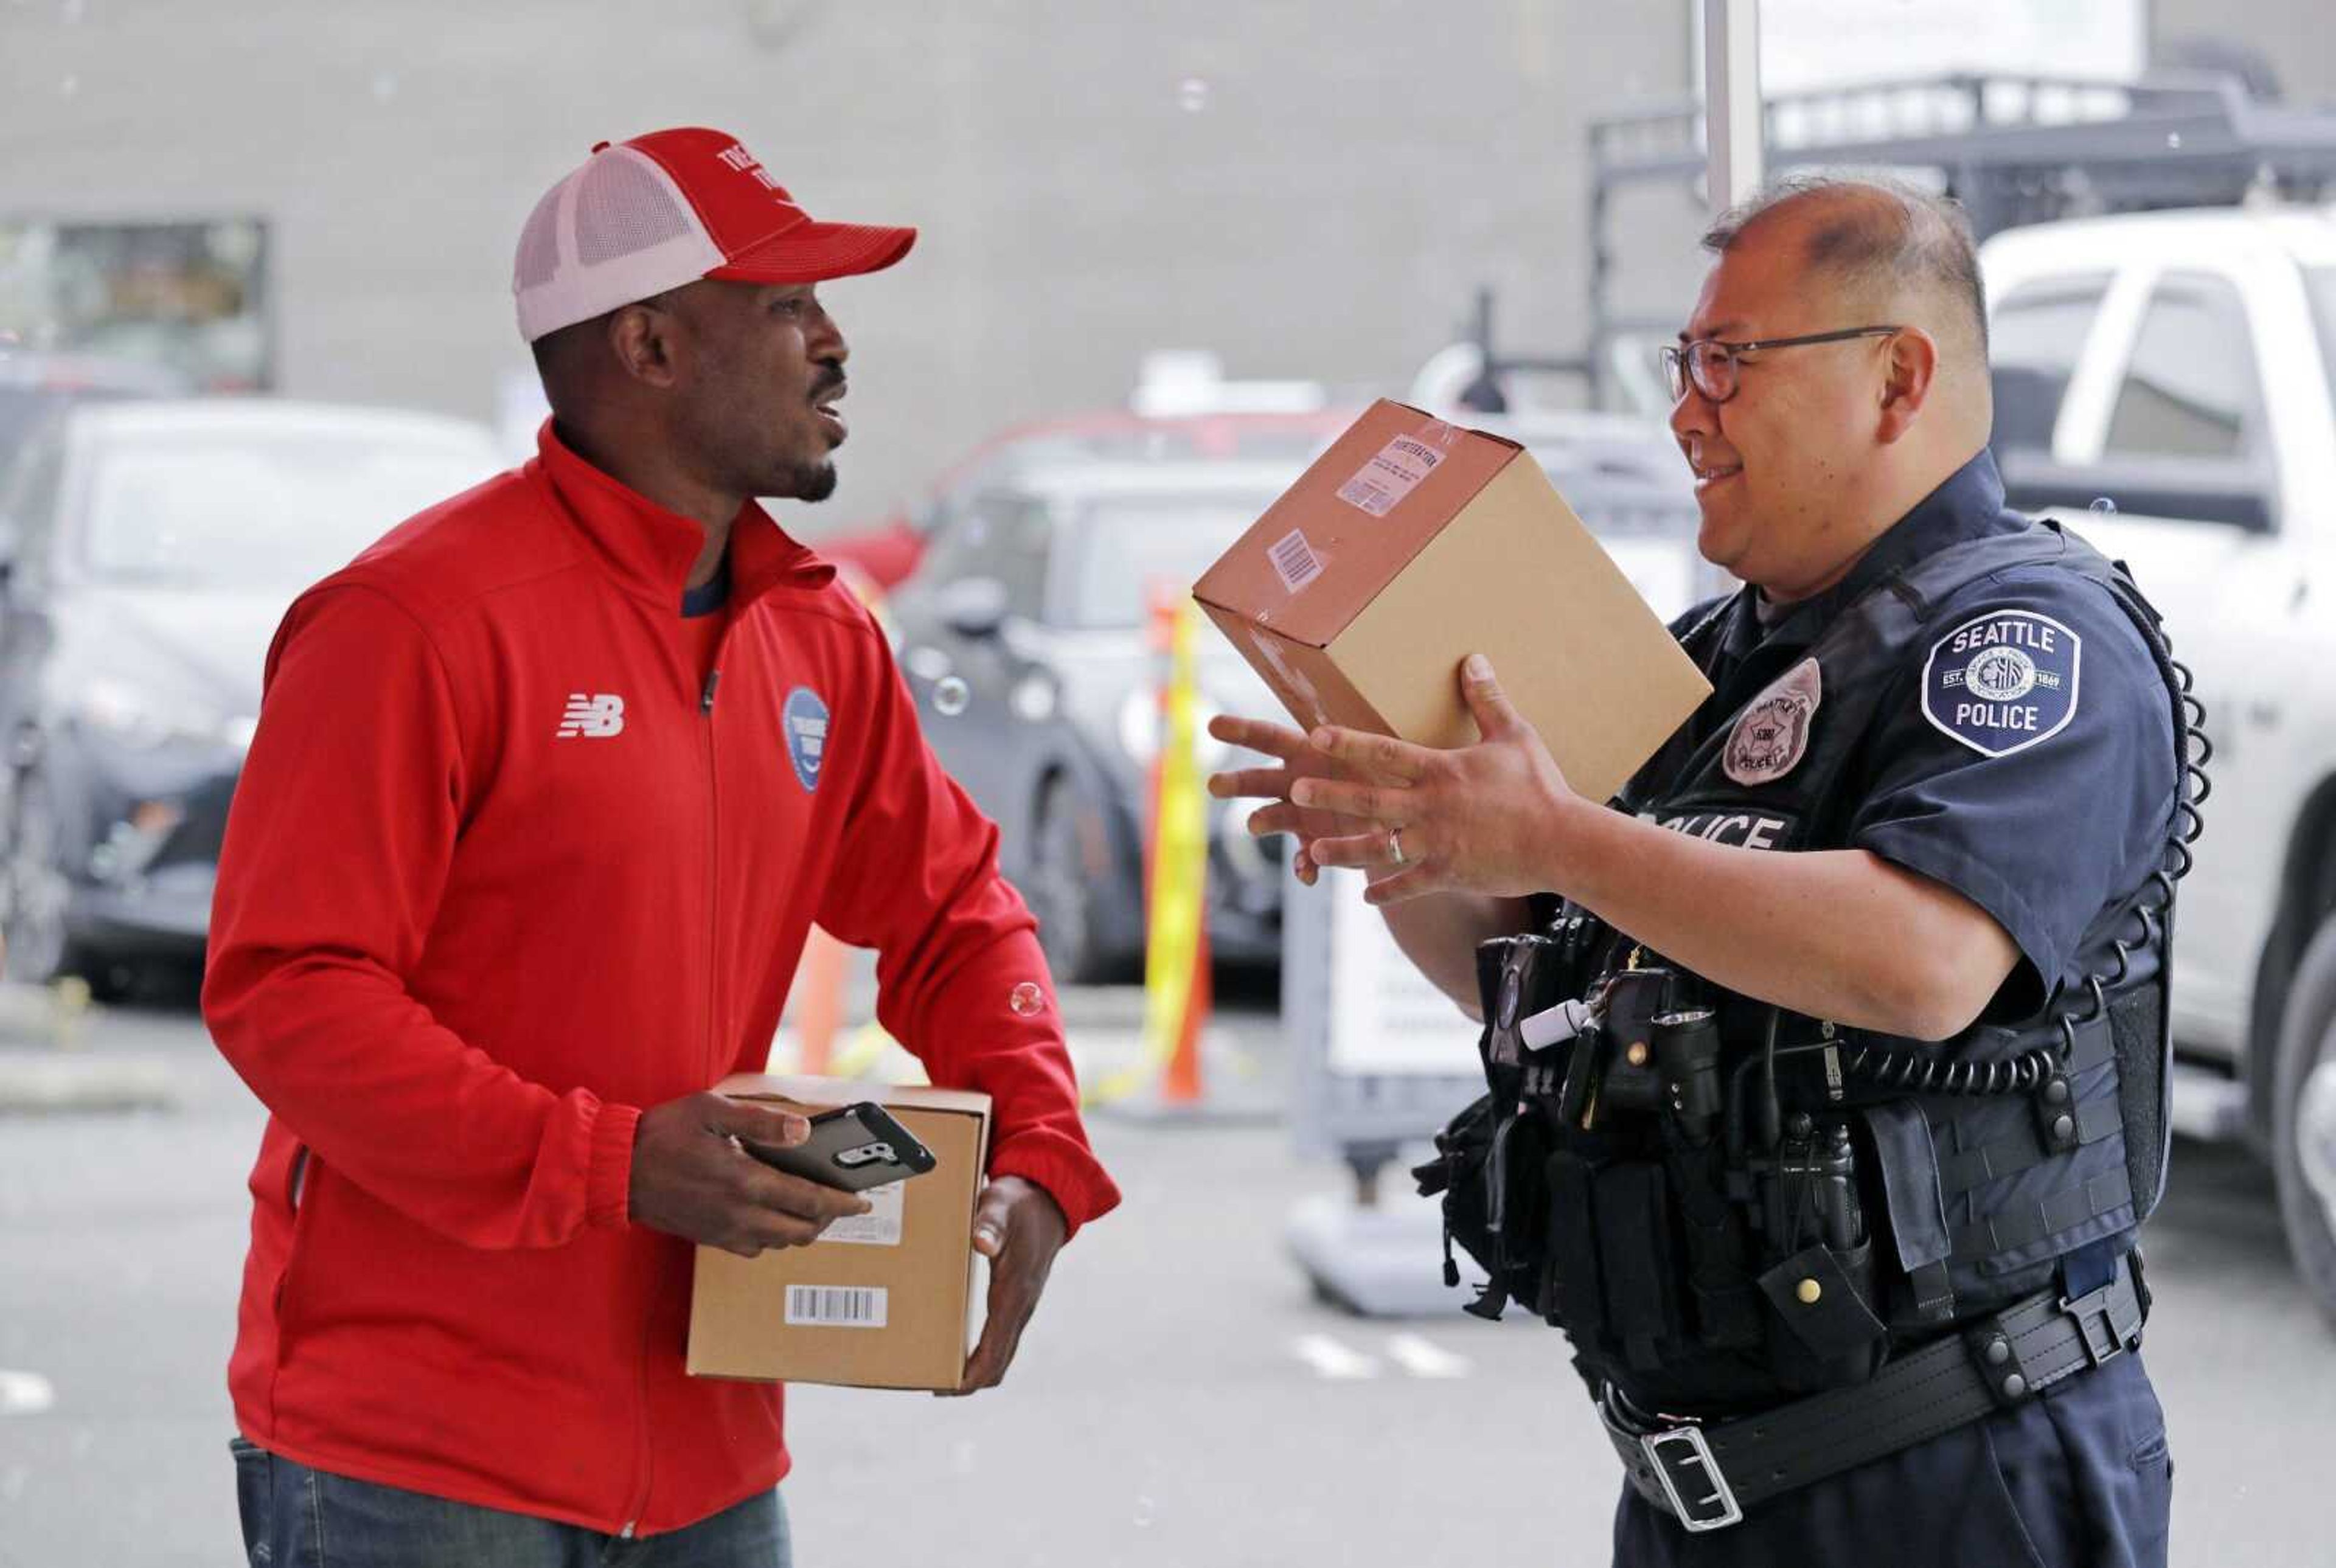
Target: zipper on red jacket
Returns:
[[647, 1452], [713, 863]]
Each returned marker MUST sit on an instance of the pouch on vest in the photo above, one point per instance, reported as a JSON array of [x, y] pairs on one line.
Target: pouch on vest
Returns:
[[1518, 1219], [1457, 1176], [1642, 1263], [1916, 1295], [1825, 1334], [1724, 1304], [1572, 1292]]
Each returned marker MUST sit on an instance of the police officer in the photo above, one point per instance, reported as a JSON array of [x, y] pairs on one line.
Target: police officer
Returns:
[[1827, 1068]]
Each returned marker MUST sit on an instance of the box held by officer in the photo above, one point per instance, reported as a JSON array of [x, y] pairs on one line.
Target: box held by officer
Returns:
[[1412, 543], [882, 1299]]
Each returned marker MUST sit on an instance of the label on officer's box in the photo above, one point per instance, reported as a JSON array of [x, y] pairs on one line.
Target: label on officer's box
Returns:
[[1379, 486]]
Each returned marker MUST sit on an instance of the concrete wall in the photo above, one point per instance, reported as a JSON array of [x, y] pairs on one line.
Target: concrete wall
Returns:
[[1321, 202]]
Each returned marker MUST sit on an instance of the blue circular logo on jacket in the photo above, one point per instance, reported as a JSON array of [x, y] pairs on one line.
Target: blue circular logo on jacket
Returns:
[[804, 719]]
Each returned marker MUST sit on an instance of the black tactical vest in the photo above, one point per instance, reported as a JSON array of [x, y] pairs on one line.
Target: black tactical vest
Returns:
[[1726, 1206]]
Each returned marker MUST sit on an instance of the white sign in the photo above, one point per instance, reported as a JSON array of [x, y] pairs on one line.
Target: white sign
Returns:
[[1386, 1018], [1816, 44]]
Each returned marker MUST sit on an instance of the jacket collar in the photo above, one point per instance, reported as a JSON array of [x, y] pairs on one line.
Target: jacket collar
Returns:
[[649, 549]]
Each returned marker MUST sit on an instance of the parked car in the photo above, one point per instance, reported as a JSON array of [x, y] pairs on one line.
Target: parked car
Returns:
[[1025, 638], [35, 385], [2168, 380], [887, 553], [147, 552]]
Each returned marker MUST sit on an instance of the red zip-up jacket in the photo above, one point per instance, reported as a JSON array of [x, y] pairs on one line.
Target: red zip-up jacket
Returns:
[[504, 868]]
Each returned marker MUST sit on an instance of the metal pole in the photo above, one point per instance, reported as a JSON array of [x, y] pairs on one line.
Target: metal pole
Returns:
[[1731, 100]]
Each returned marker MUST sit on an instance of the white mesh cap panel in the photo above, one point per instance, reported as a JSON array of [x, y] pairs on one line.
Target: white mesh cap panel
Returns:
[[539, 244], [615, 231], [621, 208]]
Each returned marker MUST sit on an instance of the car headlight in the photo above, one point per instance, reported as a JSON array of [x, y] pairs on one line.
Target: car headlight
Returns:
[[147, 720], [1139, 729]]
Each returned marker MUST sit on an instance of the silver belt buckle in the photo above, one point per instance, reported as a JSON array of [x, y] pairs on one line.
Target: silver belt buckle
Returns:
[[1695, 1469]]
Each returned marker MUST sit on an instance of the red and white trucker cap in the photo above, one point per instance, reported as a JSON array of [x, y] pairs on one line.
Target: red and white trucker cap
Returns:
[[668, 208]]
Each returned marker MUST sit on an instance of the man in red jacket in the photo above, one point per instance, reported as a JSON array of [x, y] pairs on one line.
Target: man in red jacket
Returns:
[[547, 787]]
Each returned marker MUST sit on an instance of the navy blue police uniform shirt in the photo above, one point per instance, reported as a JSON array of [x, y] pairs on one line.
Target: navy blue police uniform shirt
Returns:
[[2043, 821]]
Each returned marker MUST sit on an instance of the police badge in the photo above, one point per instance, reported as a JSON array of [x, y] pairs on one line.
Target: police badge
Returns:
[[1769, 738]]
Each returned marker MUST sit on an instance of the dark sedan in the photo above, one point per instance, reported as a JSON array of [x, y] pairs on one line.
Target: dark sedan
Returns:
[[149, 550], [1025, 636]]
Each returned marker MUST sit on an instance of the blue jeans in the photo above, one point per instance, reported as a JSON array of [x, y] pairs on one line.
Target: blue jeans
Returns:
[[296, 1517]]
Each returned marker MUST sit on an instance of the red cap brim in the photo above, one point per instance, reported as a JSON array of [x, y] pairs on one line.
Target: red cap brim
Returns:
[[814, 252]]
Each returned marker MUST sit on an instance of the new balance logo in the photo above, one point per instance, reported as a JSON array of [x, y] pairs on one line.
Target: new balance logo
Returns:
[[593, 718]]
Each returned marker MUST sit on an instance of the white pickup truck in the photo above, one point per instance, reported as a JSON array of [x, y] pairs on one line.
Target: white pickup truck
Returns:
[[2167, 383]]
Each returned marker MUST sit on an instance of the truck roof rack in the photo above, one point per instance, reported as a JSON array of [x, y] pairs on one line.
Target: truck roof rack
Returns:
[[2014, 148]]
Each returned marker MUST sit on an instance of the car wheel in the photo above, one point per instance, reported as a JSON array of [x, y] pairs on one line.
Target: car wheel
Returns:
[[36, 890], [1060, 892], [2304, 1118]]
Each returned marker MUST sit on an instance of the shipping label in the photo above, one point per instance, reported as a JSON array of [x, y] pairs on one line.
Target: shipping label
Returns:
[[879, 1226], [1294, 560], [1379, 486]]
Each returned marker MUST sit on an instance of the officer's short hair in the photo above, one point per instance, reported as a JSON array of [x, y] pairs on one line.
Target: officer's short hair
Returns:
[[1876, 230]]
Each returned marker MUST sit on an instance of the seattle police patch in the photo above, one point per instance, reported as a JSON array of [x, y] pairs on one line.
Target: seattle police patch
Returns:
[[2003, 681], [804, 719]]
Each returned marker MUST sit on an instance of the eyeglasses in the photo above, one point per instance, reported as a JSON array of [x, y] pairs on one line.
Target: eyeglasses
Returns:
[[1711, 363]]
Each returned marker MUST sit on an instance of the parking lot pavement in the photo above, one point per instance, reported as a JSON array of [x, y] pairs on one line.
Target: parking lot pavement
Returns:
[[1182, 1397]]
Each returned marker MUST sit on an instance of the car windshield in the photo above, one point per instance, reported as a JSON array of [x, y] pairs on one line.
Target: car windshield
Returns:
[[1123, 545], [245, 509]]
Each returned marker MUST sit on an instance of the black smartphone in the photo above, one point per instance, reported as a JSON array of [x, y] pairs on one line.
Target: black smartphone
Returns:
[[853, 1147]]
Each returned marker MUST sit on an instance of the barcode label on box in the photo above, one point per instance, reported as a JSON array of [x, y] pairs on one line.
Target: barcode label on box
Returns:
[[1380, 484], [836, 1306], [1295, 559]]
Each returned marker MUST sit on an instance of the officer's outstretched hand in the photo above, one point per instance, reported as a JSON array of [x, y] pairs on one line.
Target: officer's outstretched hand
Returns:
[[1299, 760], [692, 1176], [1476, 819]]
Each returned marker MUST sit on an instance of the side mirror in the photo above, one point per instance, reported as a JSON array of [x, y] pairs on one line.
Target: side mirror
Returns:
[[973, 606]]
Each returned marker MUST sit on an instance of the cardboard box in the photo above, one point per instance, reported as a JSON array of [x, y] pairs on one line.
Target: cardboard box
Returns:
[[1412, 543], [883, 1300]]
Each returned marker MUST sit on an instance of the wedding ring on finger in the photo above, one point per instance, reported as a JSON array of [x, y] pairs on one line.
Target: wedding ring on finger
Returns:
[[1395, 845]]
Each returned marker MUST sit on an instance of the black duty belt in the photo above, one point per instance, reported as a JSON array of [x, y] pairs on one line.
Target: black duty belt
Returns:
[[1706, 1473]]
